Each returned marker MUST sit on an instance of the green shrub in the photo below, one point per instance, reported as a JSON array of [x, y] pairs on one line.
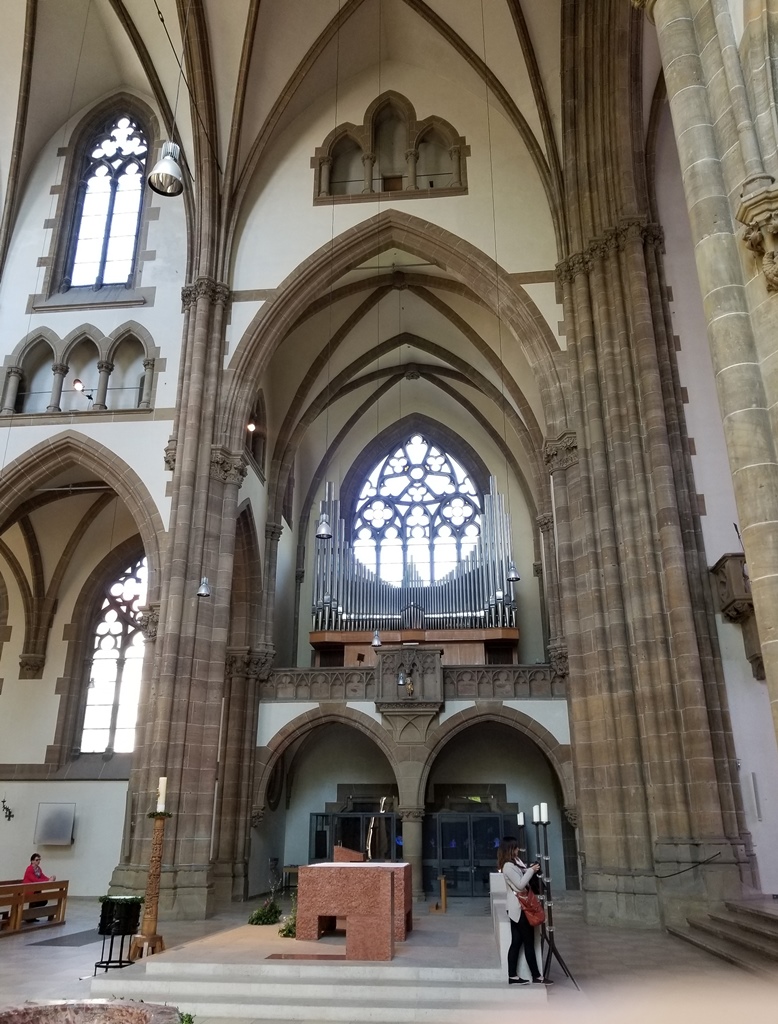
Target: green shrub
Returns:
[[288, 929], [185, 1018], [268, 913]]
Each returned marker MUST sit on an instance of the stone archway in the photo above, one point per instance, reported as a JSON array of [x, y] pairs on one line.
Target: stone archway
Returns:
[[318, 778]]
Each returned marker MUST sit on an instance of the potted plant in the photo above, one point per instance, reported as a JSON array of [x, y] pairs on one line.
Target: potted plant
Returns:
[[119, 915]]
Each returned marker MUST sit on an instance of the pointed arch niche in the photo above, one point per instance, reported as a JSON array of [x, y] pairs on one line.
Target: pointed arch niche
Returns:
[[391, 154]]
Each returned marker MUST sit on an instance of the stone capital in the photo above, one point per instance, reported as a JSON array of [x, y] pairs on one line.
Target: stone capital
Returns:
[[60, 368], [411, 813], [170, 454], [148, 621], [273, 531], [561, 452], [226, 466], [545, 522]]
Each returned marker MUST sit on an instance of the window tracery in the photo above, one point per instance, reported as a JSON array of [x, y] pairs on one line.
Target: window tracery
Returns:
[[417, 516], [115, 665], [108, 206]]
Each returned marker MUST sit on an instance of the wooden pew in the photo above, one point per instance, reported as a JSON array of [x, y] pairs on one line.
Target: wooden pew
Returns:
[[15, 898]]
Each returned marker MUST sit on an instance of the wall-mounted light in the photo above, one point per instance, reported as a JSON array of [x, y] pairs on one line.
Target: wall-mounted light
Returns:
[[78, 385], [204, 589]]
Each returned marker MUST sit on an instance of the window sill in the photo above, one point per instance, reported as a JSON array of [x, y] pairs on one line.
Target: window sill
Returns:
[[113, 296], [385, 197]]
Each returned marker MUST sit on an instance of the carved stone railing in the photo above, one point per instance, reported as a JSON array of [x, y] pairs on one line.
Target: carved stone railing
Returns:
[[501, 682], [460, 682], [319, 684]]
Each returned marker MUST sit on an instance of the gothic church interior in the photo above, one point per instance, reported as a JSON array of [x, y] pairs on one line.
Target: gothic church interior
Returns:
[[407, 461]]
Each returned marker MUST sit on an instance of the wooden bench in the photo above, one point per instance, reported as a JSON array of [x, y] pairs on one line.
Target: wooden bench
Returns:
[[15, 898]]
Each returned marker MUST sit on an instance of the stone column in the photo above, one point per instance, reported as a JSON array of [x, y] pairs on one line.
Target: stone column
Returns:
[[273, 533], [742, 334], [13, 380], [411, 158], [412, 818], [105, 369], [368, 159], [148, 383], [60, 371], [456, 166], [325, 168], [550, 571]]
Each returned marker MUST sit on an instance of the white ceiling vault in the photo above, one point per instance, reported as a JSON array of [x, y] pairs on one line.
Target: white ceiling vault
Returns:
[[263, 77]]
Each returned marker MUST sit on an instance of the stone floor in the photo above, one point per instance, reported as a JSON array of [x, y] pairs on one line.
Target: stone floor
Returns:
[[625, 974]]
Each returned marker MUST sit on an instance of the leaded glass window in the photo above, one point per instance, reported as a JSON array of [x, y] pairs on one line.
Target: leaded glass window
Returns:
[[115, 668], [108, 207], [417, 515]]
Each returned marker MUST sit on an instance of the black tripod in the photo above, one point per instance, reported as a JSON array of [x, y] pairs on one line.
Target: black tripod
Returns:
[[548, 927]]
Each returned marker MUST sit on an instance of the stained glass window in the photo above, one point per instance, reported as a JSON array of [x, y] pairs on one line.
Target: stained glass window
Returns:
[[108, 207], [115, 668], [417, 515]]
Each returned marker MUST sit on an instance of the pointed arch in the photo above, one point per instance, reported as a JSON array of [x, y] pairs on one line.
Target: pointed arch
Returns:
[[69, 448], [559, 755], [393, 228], [299, 728]]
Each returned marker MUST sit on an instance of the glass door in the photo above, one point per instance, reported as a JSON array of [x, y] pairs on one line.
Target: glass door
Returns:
[[467, 852]]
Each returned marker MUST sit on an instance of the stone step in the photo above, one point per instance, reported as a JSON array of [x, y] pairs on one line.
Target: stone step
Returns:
[[287, 993], [754, 963], [312, 970], [757, 916], [750, 931], [158, 988]]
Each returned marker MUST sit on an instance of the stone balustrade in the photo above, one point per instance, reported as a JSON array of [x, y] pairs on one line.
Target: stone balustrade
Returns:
[[460, 682]]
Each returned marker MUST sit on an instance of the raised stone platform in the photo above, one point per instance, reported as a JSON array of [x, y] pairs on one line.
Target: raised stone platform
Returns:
[[448, 971]]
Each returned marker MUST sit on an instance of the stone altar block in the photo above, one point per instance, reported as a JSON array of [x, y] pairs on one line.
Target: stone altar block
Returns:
[[343, 855], [371, 897]]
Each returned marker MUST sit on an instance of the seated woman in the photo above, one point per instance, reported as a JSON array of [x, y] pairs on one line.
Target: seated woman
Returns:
[[34, 873]]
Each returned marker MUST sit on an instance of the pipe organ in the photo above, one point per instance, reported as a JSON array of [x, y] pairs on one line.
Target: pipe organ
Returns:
[[476, 594]]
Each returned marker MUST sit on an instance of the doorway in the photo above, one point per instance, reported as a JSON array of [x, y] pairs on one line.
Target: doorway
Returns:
[[463, 849]]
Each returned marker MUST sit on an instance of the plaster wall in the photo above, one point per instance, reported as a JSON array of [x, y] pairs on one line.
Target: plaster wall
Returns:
[[88, 863], [514, 228], [334, 756]]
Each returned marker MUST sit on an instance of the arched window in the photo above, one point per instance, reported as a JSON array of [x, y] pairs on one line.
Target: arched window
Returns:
[[418, 514], [115, 666], [107, 215]]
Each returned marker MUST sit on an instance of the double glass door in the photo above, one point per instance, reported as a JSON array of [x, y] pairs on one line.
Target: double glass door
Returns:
[[463, 849]]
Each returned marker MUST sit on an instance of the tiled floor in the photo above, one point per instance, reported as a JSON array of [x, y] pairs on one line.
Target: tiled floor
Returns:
[[626, 975]]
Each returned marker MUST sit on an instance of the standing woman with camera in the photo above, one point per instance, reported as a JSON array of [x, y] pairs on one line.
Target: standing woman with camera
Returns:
[[517, 879]]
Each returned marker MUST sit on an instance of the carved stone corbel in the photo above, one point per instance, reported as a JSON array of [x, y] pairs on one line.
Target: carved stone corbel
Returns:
[[758, 211], [732, 591]]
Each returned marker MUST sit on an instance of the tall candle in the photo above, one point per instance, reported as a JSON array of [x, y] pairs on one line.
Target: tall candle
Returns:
[[520, 818], [536, 813], [161, 791], [544, 813]]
